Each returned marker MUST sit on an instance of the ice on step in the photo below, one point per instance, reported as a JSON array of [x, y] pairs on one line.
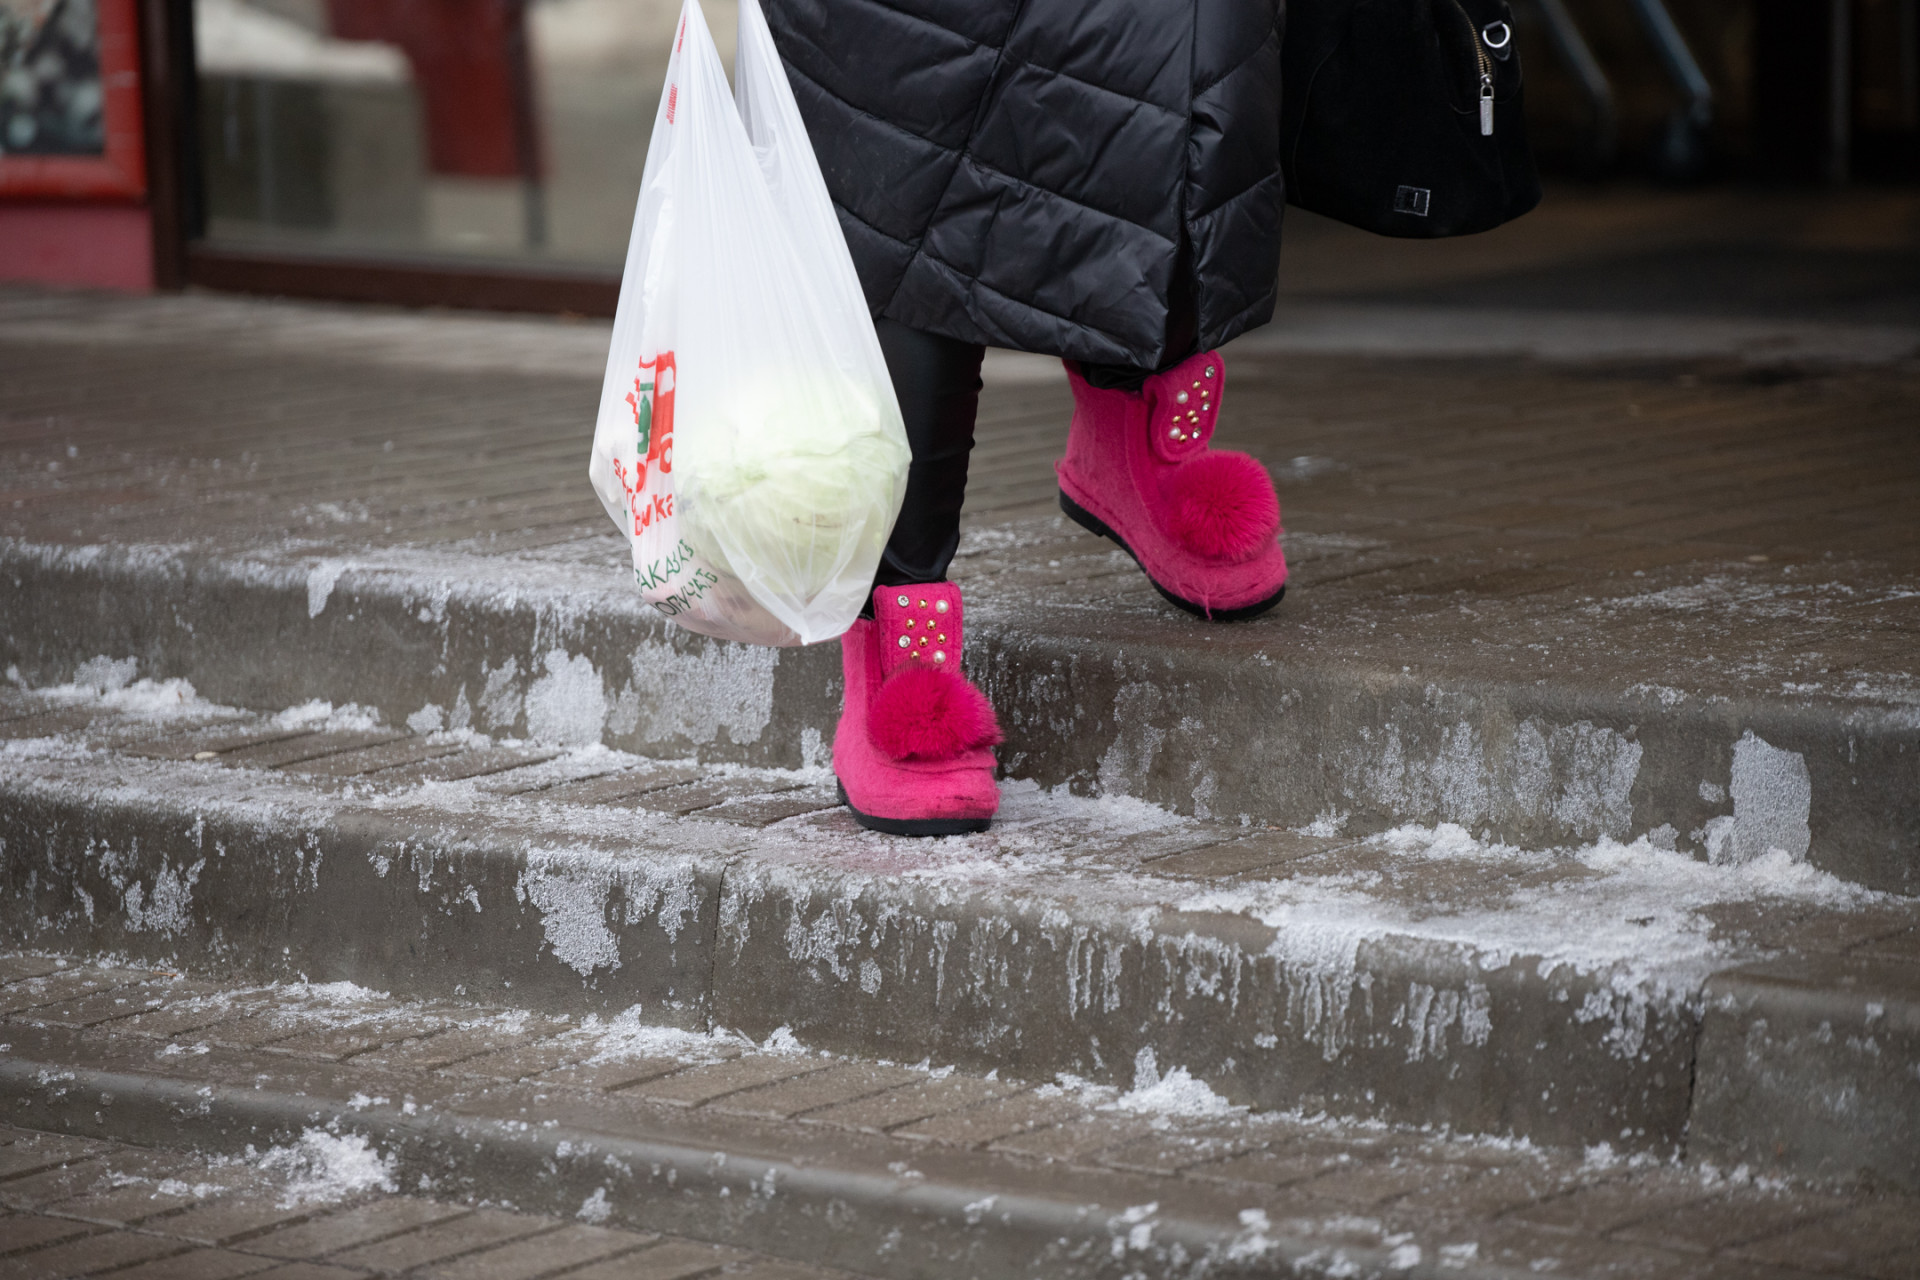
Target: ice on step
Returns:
[[323, 1167]]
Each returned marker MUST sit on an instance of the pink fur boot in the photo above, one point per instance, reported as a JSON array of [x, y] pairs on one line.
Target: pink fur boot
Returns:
[[914, 750], [1202, 523]]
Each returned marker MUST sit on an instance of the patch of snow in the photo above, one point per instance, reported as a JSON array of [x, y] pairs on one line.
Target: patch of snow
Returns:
[[697, 690], [1628, 911], [1176, 1093], [1327, 825], [625, 1038], [595, 1209], [567, 705], [1772, 801], [320, 583], [106, 675], [109, 683], [323, 1167], [169, 908], [783, 1042], [428, 719], [323, 716]]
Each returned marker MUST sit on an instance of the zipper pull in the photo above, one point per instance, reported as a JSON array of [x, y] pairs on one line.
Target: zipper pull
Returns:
[[1486, 105]]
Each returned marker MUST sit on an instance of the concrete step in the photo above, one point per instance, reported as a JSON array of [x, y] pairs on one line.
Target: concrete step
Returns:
[[551, 643], [171, 1121], [1547, 602], [1763, 1013]]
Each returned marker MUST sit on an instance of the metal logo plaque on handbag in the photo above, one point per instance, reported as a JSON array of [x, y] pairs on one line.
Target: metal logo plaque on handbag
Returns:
[[1403, 116]]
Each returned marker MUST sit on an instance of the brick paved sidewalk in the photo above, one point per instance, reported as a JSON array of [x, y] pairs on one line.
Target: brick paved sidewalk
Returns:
[[73, 1206], [1515, 495], [309, 1201]]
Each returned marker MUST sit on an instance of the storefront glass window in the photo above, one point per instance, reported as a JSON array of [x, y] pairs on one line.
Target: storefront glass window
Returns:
[[431, 129]]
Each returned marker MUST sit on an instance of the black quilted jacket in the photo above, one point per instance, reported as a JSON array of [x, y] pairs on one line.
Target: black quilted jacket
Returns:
[[1033, 173]]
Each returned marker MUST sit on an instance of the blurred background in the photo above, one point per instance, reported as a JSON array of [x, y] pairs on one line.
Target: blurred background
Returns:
[[1750, 153], [430, 127]]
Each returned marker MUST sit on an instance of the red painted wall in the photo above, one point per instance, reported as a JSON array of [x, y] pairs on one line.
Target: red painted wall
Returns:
[[86, 246]]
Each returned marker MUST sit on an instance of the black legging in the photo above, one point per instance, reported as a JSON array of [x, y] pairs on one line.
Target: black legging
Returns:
[[937, 381]]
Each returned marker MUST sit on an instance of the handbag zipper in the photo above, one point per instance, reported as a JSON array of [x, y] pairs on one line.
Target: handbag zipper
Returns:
[[1486, 71]]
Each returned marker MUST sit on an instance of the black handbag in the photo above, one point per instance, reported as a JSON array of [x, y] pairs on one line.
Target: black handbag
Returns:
[[1403, 116]]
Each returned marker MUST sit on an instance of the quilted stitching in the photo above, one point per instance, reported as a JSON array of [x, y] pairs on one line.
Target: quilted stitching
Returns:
[[1216, 182]]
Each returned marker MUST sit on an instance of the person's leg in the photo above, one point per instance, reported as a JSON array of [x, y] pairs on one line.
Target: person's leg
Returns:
[[914, 748], [937, 381]]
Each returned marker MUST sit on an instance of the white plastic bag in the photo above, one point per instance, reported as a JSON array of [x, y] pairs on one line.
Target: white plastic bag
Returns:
[[748, 439]]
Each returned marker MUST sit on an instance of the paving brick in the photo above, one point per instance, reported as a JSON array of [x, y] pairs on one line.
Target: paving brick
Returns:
[[1077, 1140], [372, 760], [89, 1255], [1487, 1193], [36, 1151], [1370, 1184], [1901, 944], [1519, 1248], [1608, 1206], [979, 1125], [771, 1269], [696, 1085], [1277, 1166], [765, 810], [445, 1048], [22, 1231], [1725, 1221], [695, 797], [309, 1271], [122, 1002], [912, 1102], [270, 1025], [198, 1264], [1171, 1152], [542, 1255], [345, 1228], [206, 743], [522, 1062], [335, 1044], [625, 785], [671, 1260], [842, 1083], [49, 724], [126, 1205], [189, 1018], [37, 1190], [314, 746], [1239, 857], [20, 967], [225, 1221], [473, 763], [61, 987], [441, 1241], [1886, 1227], [160, 1183], [1892, 1266], [609, 1077]]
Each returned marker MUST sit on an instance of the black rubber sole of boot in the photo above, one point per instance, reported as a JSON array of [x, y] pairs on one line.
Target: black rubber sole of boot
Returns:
[[913, 826], [1093, 524]]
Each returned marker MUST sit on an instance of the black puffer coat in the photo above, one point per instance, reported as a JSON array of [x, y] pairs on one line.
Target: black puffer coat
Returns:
[[1034, 173]]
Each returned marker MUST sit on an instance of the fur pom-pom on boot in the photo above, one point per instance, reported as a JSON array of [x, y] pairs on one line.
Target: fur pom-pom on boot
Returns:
[[914, 748], [1204, 524]]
